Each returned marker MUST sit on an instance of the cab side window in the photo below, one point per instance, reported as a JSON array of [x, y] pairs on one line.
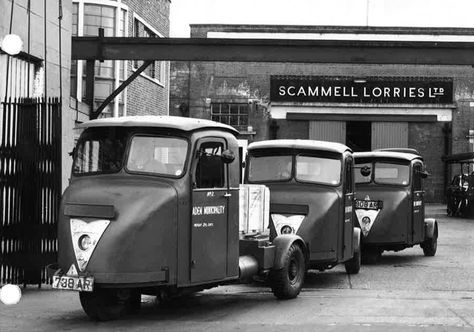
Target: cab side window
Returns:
[[417, 169], [210, 167], [349, 176]]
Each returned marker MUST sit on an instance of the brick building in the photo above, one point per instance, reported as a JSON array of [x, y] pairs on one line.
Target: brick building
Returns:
[[426, 107], [148, 94]]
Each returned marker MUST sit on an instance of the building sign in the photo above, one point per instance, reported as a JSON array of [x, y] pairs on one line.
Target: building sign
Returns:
[[373, 90]]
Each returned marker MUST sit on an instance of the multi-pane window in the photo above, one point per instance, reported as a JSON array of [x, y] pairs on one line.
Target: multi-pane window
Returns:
[[154, 70], [95, 17], [234, 114], [88, 16]]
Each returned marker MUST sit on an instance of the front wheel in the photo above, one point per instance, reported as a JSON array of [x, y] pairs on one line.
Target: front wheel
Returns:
[[286, 283], [109, 304]]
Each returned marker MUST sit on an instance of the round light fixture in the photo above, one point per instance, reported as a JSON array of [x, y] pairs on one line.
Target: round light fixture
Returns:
[[12, 44], [85, 242], [10, 294], [286, 230]]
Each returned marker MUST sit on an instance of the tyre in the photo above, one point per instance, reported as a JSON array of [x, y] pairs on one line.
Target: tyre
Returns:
[[286, 283], [429, 246], [109, 304], [353, 265]]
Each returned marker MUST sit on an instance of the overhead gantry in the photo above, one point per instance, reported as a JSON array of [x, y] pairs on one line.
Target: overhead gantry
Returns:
[[103, 48]]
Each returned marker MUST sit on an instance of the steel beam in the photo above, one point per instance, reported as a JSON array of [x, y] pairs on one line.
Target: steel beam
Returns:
[[95, 114], [273, 50]]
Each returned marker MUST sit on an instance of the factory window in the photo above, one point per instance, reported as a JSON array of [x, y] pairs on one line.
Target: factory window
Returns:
[[87, 17], [234, 114], [155, 71]]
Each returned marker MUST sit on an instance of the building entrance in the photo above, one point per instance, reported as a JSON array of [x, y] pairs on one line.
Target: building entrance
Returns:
[[359, 135]]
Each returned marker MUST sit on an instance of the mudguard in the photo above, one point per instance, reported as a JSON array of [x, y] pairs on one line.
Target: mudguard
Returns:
[[282, 244], [431, 226], [356, 239]]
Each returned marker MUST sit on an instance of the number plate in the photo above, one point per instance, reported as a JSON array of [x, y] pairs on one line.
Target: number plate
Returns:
[[82, 284], [368, 205]]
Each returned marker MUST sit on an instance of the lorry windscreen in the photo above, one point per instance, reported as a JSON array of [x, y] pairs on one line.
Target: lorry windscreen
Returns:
[[318, 170], [158, 155], [382, 173], [270, 168], [307, 168], [100, 150]]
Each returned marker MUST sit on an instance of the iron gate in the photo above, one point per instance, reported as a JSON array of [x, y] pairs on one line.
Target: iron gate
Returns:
[[30, 188]]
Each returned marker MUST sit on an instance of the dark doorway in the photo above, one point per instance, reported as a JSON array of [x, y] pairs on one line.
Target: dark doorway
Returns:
[[359, 135]]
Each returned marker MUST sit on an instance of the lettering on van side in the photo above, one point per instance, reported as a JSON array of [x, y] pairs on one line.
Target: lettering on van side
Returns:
[[203, 224], [208, 210]]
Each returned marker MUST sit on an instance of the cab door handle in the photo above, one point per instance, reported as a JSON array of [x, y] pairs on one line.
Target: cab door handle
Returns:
[[227, 195]]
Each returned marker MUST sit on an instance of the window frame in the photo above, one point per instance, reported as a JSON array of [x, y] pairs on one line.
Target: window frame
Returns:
[[199, 143], [120, 66], [316, 155], [85, 137], [393, 163], [229, 115], [249, 166], [162, 64], [127, 155]]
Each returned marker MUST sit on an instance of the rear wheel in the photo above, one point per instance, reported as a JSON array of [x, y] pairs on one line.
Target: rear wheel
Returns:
[[286, 283], [109, 304], [353, 265]]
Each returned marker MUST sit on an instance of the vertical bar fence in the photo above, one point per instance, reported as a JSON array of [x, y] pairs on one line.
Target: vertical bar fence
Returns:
[[30, 188]]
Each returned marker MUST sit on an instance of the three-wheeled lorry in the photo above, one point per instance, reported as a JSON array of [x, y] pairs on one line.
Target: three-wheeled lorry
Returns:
[[153, 208], [390, 205], [312, 190], [460, 192]]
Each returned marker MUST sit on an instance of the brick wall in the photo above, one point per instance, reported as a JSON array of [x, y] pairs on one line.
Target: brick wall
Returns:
[[144, 96], [194, 84], [429, 140], [179, 88]]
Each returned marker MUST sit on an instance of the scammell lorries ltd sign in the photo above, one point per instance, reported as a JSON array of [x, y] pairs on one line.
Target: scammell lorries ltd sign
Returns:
[[379, 90]]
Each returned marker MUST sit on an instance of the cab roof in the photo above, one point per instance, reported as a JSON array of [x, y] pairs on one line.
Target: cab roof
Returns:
[[171, 122], [386, 155], [300, 144]]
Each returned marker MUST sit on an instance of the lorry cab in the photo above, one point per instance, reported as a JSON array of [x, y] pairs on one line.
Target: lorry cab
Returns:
[[389, 206], [312, 189], [153, 207]]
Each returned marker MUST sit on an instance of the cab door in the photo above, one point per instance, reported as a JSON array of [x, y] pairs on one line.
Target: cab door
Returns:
[[348, 221], [209, 212], [417, 204]]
